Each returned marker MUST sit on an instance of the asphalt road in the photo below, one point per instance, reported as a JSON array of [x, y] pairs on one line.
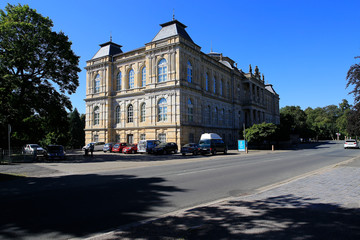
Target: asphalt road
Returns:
[[77, 206]]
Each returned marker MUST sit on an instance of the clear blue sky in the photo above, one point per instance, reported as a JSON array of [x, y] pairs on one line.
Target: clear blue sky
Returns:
[[303, 47]]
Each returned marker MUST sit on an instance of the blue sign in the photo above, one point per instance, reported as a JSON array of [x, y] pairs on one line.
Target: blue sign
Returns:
[[242, 145]]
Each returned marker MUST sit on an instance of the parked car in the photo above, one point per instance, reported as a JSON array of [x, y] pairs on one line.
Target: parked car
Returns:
[[108, 147], [193, 148], [31, 148], [212, 143], [98, 146], [165, 148], [118, 147], [351, 143], [146, 146], [130, 149], [55, 151]]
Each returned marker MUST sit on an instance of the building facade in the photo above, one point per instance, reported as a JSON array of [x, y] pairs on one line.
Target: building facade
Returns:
[[171, 91]]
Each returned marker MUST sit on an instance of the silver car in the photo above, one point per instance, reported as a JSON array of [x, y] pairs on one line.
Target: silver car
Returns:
[[31, 148]]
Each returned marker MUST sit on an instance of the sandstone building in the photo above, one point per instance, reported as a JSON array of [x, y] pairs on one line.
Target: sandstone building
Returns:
[[171, 91]]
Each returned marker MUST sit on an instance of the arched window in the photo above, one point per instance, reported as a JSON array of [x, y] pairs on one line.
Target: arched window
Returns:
[[130, 114], [118, 81], [162, 70], [96, 114], [190, 111], [189, 72], [143, 77], [206, 82], [131, 78], [117, 114], [214, 85], [142, 112], [97, 84], [162, 110]]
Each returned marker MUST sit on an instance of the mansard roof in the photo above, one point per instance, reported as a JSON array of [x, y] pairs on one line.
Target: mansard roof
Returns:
[[270, 88], [170, 29], [108, 49]]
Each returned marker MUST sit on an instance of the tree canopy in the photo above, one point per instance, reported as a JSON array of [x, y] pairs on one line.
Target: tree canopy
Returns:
[[38, 70]]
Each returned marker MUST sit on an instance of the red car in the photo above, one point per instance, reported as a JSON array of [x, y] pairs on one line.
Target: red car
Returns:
[[118, 147], [130, 149]]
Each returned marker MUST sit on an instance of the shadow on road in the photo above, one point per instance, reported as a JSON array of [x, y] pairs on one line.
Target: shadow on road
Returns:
[[282, 217], [76, 206]]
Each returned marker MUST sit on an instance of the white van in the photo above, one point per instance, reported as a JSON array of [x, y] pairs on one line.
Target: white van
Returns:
[[212, 143]]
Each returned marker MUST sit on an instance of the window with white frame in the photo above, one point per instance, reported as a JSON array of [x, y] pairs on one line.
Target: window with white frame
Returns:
[[143, 77], [97, 84], [143, 136], [96, 115], [130, 114], [142, 112], [96, 138], [190, 111], [118, 81], [162, 70], [189, 72], [117, 115], [131, 78], [162, 110], [162, 137]]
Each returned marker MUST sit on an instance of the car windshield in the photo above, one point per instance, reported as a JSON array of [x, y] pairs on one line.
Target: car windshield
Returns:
[[34, 146], [55, 148], [162, 145], [351, 140], [117, 145], [207, 141]]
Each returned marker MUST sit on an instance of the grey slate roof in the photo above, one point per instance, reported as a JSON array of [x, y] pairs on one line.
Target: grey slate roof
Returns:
[[270, 88], [108, 49], [170, 29]]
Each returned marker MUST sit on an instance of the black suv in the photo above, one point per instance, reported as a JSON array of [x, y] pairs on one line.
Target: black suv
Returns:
[[165, 148], [212, 146]]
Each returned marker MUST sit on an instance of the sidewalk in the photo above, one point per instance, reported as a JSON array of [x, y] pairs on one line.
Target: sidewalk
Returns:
[[325, 205]]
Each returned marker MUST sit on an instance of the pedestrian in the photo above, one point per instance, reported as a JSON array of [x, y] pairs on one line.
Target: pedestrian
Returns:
[[91, 148]]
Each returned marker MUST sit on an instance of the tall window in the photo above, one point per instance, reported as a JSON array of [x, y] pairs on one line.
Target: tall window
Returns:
[[162, 71], [96, 138], [117, 138], [162, 110], [190, 111], [222, 117], [216, 116], [117, 114], [221, 87], [206, 82], [191, 138], [162, 137], [118, 81], [209, 114], [97, 83], [142, 112], [189, 72], [143, 77], [214, 85], [96, 116], [130, 114], [131, 78]]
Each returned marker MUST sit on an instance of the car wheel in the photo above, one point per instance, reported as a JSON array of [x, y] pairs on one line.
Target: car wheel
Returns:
[[175, 151], [183, 154], [214, 152], [195, 153], [225, 151]]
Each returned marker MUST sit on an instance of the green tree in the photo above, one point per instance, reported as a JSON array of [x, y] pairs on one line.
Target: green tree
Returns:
[[37, 71], [293, 121], [261, 133], [76, 131]]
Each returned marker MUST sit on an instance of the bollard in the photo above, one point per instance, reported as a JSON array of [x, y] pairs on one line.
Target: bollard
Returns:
[[272, 148]]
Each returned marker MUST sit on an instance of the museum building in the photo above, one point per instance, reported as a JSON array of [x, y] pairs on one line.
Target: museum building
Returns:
[[170, 90]]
